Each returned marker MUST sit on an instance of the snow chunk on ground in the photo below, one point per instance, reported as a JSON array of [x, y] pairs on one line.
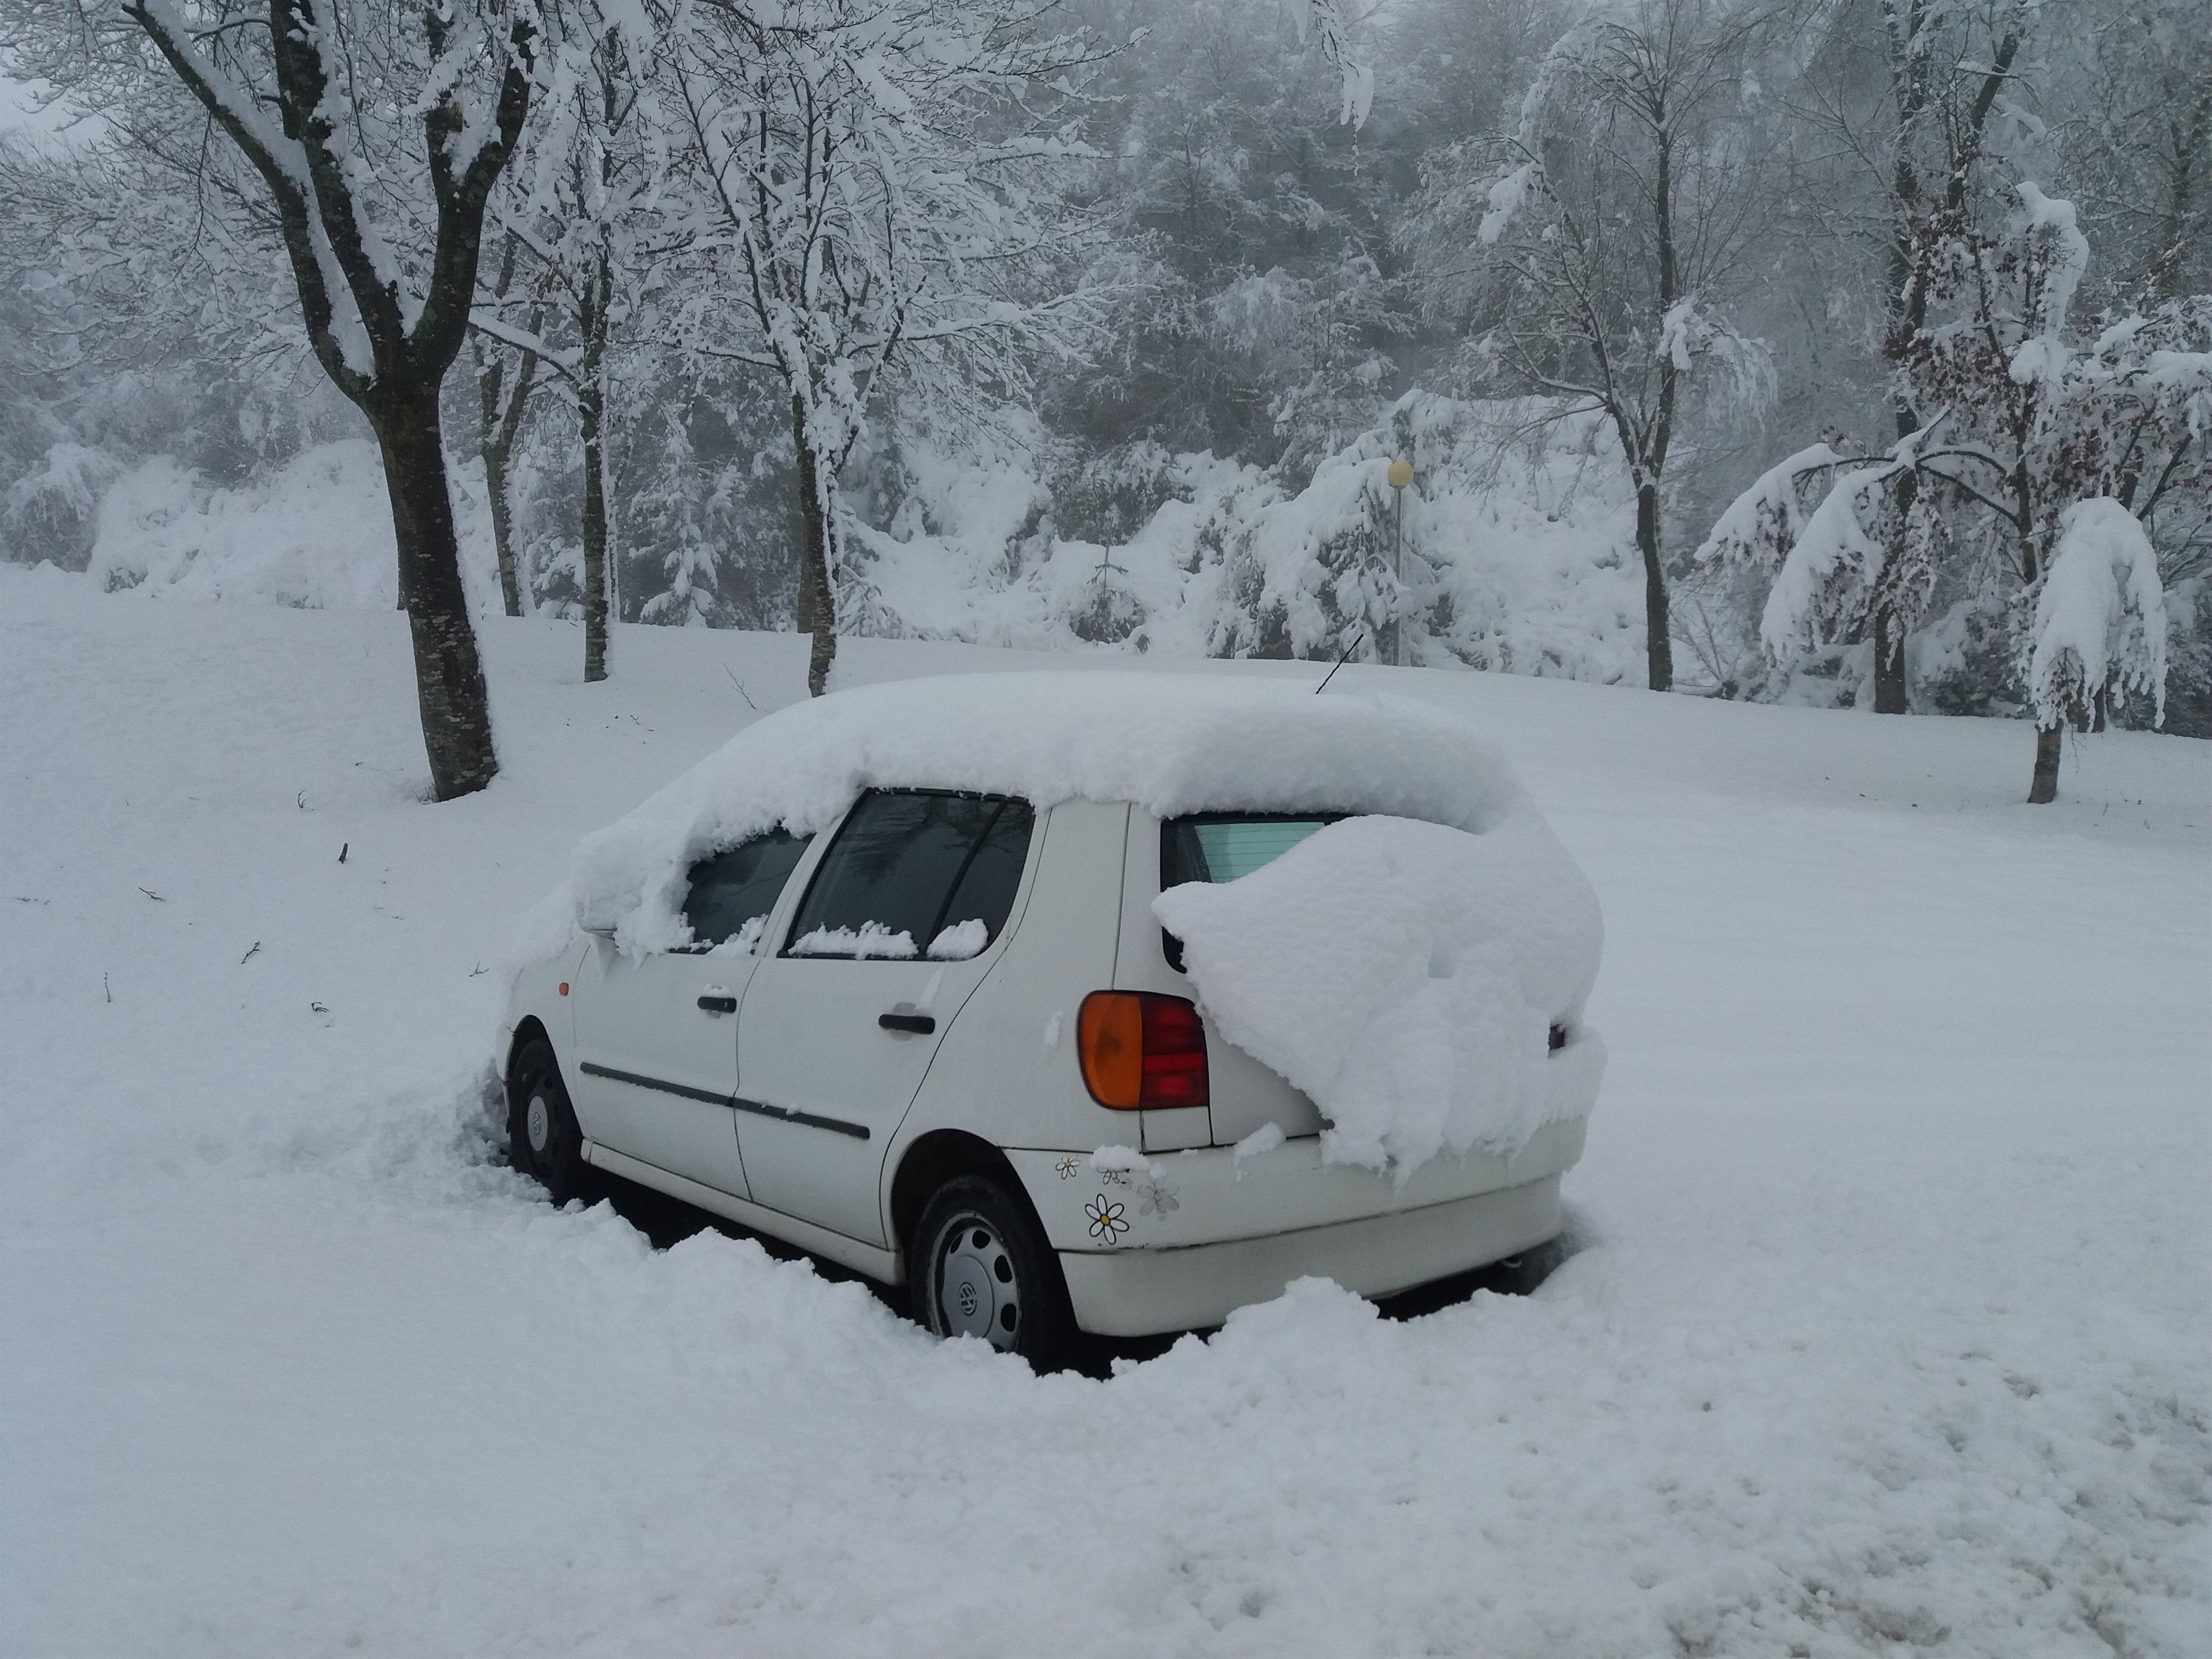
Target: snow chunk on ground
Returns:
[[1169, 743], [1406, 975]]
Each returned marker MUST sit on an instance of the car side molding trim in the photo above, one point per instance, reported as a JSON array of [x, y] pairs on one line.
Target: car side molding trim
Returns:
[[792, 1114], [633, 1077], [758, 1107]]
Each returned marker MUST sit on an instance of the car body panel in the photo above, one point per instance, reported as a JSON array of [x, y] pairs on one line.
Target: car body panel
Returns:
[[1144, 1292], [1191, 1198], [823, 1086], [655, 1070]]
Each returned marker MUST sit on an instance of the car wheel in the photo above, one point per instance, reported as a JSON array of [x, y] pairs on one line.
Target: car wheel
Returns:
[[980, 1267], [542, 1138]]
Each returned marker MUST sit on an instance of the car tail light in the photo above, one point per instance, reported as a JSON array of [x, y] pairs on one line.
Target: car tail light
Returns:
[[1140, 1050]]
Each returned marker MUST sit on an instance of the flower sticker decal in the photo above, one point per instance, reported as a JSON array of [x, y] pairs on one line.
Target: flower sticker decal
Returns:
[[1158, 1199], [1106, 1219], [1067, 1167]]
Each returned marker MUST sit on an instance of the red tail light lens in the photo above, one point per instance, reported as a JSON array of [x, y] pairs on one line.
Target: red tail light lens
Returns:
[[1140, 1050]]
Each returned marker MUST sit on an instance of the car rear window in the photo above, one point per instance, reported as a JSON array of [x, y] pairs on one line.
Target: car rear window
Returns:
[[915, 873], [1223, 846], [732, 892]]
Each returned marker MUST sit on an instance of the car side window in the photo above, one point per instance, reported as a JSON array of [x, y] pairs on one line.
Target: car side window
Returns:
[[916, 873], [732, 892]]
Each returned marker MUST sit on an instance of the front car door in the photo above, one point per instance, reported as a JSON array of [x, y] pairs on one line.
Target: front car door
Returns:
[[905, 915], [657, 1035]]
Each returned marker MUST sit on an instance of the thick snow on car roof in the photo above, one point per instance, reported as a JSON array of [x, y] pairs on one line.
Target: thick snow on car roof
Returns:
[[1169, 743]]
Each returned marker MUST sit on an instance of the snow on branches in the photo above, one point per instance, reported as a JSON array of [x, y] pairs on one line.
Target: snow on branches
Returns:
[[2100, 625], [1851, 555], [1324, 21], [1757, 529]]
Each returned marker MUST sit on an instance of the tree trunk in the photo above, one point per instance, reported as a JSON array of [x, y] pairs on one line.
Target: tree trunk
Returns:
[[1658, 641], [449, 682], [502, 528], [590, 412], [2045, 789], [817, 600], [1888, 660]]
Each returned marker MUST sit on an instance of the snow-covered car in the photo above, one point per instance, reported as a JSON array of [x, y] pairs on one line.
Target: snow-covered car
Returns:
[[1097, 1001]]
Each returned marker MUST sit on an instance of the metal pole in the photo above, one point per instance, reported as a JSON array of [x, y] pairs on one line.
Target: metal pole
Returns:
[[1398, 571]]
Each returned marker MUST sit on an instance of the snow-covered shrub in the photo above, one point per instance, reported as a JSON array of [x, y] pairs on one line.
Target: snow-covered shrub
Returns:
[[316, 532], [1516, 552], [48, 515], [1108, 497]]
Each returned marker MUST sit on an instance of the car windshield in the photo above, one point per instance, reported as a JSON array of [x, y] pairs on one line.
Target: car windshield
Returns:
[[1218, 847]]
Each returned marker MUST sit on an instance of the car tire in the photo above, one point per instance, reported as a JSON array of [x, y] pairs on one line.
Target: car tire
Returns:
[[981, 1267], [543, 1136]]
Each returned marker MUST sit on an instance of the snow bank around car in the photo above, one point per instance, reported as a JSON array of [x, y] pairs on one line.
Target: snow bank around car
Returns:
[[1169, 743], [1406, 975]]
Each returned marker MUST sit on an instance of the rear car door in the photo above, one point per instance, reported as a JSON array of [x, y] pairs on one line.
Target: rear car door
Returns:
[[906, 913], [657, 1035]]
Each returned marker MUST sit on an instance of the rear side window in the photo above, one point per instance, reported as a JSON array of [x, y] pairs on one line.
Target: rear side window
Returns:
[[1222, 846], [916, 873], [732, 892]]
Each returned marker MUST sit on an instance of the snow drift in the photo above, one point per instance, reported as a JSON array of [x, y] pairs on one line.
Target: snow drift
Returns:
[[1405, 977]]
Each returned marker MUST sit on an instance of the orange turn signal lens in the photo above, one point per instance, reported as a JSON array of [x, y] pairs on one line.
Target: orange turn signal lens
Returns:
[[1140, 1050]]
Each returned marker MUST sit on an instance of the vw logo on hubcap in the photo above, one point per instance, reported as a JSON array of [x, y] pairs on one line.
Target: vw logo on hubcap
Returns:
[[969, 1297], [541, 1123]]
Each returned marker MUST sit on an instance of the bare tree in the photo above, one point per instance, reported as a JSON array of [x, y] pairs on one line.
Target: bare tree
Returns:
[[884, 204], [2028, 415], [374, 135], [576, 206], [1601, 246], [506, 376]]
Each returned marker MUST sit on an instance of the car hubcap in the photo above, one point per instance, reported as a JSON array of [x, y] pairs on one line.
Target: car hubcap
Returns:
[[540, 1122], [976, 1294]]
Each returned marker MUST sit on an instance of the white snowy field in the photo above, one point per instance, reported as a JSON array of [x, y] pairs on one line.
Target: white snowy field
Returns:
[[1887, 1333]]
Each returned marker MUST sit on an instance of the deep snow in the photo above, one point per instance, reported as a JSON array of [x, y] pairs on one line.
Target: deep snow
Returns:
[[1888, 1332]]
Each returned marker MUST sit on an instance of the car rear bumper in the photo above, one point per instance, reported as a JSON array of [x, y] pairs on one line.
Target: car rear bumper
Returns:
[[1183, 1238], [1140, 1292]]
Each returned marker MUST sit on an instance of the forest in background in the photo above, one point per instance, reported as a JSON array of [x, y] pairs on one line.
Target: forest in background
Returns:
[[1754, 351]]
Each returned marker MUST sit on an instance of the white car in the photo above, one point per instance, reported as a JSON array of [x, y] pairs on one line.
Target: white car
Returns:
[[884, 979]]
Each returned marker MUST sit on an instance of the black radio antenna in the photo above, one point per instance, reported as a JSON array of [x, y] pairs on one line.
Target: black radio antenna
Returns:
[[1341, 661]]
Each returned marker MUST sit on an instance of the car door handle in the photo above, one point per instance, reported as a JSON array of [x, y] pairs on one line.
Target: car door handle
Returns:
[[919, 1024], [718, 1002]]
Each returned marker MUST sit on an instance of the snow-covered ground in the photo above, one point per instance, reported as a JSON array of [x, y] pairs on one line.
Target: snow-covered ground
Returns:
[[1887, 1333]]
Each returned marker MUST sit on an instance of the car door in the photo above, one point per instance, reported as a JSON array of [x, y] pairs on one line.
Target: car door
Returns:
[[904, 916], [657, 1035]]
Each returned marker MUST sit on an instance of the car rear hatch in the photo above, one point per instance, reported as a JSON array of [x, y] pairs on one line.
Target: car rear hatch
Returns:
[[1245, 1096]]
